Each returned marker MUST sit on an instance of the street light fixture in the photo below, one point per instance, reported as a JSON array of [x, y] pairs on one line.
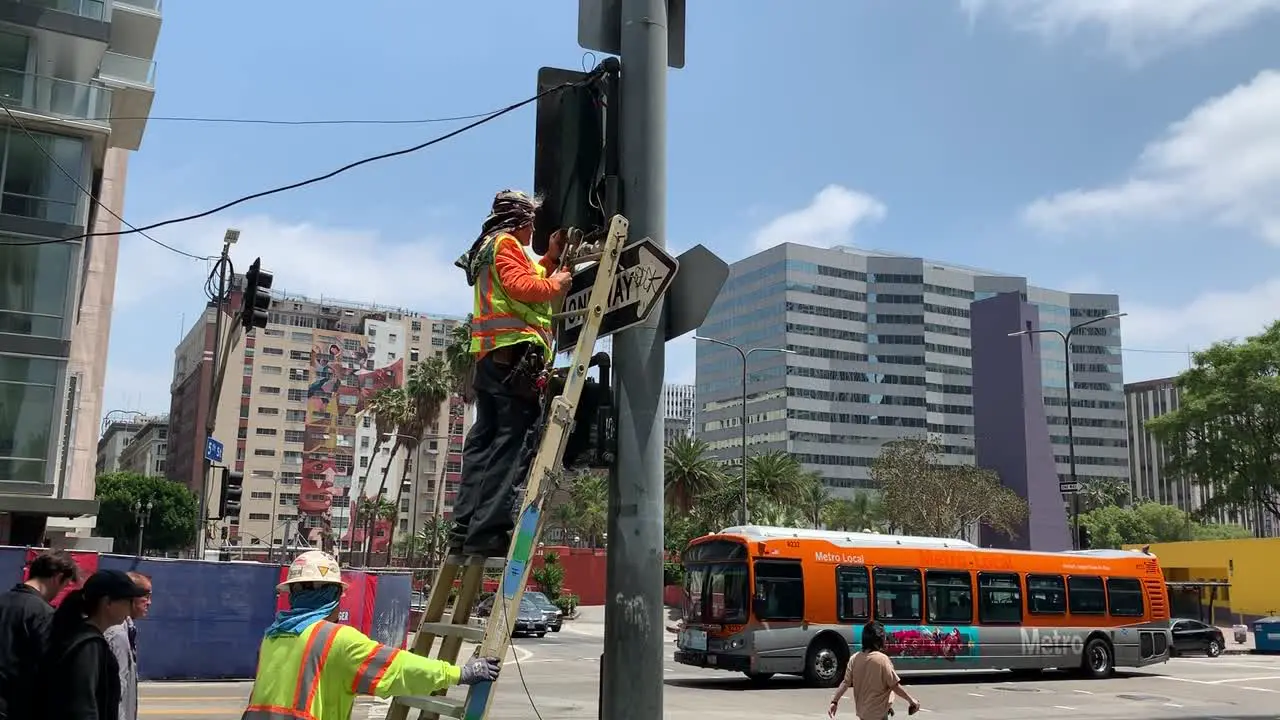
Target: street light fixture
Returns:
[[141, 512], [1071, 434], [745, 354]]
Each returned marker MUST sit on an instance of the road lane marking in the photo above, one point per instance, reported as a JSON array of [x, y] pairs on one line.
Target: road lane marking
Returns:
[[1247, 687], [1083, 692], [1249, 679], [977, 694], [1172, 705], [1063, 707], [1214, 683]]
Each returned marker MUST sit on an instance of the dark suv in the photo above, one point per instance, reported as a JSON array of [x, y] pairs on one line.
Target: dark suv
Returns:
[[530, 620], [555, 618]]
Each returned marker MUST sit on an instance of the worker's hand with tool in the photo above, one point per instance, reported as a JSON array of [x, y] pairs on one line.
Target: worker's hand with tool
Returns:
[[477, 670], [563, 278]]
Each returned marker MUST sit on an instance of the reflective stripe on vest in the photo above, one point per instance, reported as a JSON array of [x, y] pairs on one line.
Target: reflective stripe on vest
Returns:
[[372, 670], [499, 320], [309, 672]]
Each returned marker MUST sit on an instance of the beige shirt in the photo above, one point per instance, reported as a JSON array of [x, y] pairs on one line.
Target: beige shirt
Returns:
[[871, 677]]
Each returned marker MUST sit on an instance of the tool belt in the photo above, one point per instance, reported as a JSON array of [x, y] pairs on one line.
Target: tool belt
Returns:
[[525, 367]]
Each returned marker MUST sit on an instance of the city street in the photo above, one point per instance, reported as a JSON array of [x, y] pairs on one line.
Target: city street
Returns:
[[561, 673]]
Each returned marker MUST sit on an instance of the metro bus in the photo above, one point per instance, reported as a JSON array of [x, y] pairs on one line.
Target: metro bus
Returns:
[[767, 600]]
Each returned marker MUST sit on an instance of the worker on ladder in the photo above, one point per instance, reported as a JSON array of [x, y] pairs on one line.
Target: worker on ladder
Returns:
[[311, 668], [512, 343]]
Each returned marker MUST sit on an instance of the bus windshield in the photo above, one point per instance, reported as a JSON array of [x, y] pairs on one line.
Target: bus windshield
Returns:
[[716, 593]]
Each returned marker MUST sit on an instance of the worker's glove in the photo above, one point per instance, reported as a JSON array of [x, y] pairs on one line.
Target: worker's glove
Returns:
[[480, 670]]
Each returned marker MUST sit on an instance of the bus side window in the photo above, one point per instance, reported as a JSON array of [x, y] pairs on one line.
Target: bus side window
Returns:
[[1046, 595], [779, 590], [999, 598], [897, 595], [950, 597], [1085, 595], [1124, 597], [853, 594]]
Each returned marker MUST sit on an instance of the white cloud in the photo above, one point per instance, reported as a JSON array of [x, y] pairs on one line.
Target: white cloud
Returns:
[[157, 291], [1207, 318], [1220, 163], [1137, 29], [829, 219]]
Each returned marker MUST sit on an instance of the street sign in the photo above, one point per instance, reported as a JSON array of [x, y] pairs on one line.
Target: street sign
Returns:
[[212, 450], [1066, 487], [696, 287], [645, 271], [600, 28]]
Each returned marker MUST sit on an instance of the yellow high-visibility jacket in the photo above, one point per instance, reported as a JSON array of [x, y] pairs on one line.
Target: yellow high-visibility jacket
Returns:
[[318, 674]]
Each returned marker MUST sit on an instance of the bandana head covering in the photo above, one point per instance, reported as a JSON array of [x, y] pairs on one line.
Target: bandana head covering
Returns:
[[511, 210]]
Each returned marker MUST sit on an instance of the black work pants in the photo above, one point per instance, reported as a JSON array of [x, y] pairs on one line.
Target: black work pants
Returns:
[[497, 455]]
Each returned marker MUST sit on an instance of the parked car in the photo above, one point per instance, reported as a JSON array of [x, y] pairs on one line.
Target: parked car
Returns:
[[1193, 636], [530, 620], [555, 618]]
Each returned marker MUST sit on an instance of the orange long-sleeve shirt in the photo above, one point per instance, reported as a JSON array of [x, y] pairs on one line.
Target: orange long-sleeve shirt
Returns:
[[518, 276]]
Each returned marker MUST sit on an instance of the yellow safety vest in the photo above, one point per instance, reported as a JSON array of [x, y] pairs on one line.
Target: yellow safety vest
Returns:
[[498, 319], [318, 674]]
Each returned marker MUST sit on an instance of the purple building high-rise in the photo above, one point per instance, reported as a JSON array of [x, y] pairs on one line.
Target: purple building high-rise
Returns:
[[1011, 435]]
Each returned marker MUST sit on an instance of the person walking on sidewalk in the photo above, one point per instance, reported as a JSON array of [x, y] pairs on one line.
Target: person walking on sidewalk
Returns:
[[25, 613], [123, 639], [874, 681], [311, 667]]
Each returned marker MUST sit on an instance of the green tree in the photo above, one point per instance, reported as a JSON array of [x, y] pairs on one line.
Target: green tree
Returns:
[[171, 523], [861, 512], [1112, 526], [1100, 492], [815, 500], [775, 474], [1225, 433], [689, 471], [922, 496], [589, 496], [461, 362]]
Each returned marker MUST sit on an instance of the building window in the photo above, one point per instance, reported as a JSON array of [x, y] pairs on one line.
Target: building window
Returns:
[[268, 411], [265, 431], [28, 405], [295, 436], [33, 185], [33, 295]]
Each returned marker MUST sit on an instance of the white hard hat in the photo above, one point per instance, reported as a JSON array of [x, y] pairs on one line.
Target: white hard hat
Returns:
[[313, 566]]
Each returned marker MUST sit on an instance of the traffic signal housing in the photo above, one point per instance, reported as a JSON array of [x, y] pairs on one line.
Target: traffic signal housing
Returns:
[[256, 304], [232, 490], [1084, 538]]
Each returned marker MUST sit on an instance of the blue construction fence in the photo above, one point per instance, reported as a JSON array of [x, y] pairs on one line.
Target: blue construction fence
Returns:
[[207, 618]]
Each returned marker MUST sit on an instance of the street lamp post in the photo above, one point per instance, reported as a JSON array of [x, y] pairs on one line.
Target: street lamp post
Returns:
[[1071, 432], [745, 354], [141, 512]]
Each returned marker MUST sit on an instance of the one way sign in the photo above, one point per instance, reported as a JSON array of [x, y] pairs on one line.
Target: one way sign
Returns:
[[645, 271]]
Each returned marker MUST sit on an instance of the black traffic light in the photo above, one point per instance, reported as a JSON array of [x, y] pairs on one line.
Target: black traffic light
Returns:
[[257, 297], [232, 490], [1084, 538]]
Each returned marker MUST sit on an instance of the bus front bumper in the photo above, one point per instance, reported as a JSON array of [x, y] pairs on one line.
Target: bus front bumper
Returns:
[[733, 663]]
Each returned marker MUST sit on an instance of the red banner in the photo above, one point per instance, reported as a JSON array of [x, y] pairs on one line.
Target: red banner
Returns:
[[87, 561]]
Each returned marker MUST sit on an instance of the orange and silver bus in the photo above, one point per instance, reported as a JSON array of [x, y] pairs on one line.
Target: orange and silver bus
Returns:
[[766, 600]]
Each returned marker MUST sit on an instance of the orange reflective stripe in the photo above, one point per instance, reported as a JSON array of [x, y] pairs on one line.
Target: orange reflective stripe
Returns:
[[270, 712], [312, 666], [372, 670]]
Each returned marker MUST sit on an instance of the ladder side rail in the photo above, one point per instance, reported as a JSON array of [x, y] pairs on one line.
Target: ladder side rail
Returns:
[[437, 601]]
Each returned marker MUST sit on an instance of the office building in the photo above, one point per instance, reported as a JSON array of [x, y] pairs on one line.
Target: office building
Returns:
[[1145, 401], [881, 350], [291, 418], [677, 411], [145, 453], [76, 83], [118, 429]]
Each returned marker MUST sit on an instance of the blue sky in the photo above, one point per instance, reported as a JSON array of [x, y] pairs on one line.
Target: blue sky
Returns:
[[1128, 147]]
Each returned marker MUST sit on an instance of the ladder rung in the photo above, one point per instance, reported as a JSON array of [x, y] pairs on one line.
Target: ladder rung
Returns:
[[494, 563], [474, 633], [438, 704]]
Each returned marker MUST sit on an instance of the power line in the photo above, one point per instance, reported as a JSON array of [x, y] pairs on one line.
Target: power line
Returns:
[[349, 166], [297, 123], [76, 181]]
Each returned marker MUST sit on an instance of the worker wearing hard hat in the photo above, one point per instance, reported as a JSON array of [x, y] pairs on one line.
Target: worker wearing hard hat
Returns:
[[311, 667]]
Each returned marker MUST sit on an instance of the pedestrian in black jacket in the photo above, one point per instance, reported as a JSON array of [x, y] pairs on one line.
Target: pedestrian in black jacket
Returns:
[[79, 676], [25, 612]]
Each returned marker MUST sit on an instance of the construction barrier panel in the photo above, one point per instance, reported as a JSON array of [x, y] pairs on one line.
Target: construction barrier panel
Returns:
[[87, 562], [207, 618]]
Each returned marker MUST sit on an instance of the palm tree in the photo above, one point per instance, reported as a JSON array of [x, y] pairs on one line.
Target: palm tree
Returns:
[[815, 499], [775, 474], [462, 363], [589, 496], [860, 513], [689, 471]]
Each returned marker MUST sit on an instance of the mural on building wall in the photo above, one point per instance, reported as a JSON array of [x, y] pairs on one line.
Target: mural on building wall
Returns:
[[340, 389]]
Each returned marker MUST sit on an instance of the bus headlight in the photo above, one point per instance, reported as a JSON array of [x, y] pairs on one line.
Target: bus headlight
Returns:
[[735, 644]]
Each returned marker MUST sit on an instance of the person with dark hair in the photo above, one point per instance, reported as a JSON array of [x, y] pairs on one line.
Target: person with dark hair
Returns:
[[874, 681], [123, 639], [512, 343], [25, 612], [79, 678]]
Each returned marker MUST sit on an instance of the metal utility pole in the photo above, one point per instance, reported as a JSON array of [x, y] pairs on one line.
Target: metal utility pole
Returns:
[[632, 683], [224, 262], [745, 355], [1071, 425]]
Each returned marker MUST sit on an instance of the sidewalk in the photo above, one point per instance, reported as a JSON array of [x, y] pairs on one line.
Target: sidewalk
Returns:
[[1234, 648]]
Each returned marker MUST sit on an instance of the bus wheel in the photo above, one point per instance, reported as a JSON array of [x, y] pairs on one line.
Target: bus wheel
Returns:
[[758, 678], [1097, 661], [822, 664]]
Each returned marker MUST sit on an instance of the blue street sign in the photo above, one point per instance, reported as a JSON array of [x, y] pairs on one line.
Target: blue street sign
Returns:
[[212, 450]]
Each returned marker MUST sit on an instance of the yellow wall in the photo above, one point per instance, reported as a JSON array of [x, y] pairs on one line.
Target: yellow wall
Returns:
[[1249, 565]]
